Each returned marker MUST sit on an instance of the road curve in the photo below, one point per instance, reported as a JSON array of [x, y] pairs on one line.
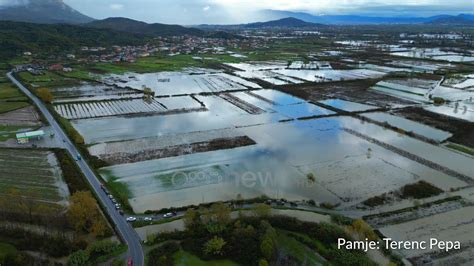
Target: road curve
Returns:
[[127, 233]]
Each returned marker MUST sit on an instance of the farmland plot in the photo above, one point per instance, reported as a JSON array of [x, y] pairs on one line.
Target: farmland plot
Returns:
[[124, 107], [91, 92], [175, 83], [34, 174], [455, 225], [331, 75], [409, 126]]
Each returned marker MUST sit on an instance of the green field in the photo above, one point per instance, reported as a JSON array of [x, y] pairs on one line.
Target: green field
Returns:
[[8, 132], [183, 258], [298, 250], [34, 176], [47, 80], [11, 98], [6, 249], [461, 148]]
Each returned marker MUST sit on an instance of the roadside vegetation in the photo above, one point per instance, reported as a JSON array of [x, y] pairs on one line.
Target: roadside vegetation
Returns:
[[37, 212], [211, 235]]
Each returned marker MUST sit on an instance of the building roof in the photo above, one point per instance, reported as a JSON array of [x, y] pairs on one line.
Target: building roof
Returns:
[[31, 134]]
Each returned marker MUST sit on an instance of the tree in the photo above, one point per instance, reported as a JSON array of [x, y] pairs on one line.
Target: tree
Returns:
[[263, 262], [79, 258], [214, 246], [45, 95], [84, 215], [82, 211], [191, 218], [262, 210], [99, 228], [362, 230], [269, 240], [217, 218], [267, 248]]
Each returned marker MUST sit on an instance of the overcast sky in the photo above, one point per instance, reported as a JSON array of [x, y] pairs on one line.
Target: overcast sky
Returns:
[[238, 11]]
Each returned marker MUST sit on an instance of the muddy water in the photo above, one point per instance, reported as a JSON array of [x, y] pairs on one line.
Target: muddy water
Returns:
[[347, 169]]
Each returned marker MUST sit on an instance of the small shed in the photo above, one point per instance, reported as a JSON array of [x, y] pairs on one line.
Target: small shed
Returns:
[[25, 137]]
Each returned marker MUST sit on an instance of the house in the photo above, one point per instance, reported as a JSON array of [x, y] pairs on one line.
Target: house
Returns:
[[56, 67]]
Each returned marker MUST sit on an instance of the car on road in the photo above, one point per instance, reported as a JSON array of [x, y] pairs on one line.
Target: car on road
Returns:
[[130, 262], [131, 219], [79, 157], [148, 219], [169, 214]]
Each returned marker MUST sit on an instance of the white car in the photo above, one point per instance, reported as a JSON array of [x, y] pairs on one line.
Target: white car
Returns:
[[168, 215], [148, 219], [131, 219]]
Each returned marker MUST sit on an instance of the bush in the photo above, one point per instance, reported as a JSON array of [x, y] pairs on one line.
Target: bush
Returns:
[[376, 200], [73, 177], [94, 253], [163, 255], [420, 190], [438, 101]]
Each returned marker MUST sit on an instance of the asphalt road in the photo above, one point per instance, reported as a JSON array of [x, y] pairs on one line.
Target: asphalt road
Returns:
[[127, 233]]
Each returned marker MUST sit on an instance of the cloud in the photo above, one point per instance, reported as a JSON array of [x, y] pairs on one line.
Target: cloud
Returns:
[[244, 11], [13, 2], [116, 6]]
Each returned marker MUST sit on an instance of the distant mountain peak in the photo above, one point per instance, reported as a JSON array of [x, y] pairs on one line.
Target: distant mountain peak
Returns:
[[42, 11], [288, 22], [143, 28]]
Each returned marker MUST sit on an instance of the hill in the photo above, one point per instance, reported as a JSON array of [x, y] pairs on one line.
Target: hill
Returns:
[[138, 27], [456, 21], [288, 22], [43, 11], [18, 37], [282, 23], [351, 19]]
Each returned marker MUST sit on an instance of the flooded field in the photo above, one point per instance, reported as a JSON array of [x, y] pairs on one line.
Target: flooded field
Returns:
[[455, 225], [434, 54], [278, 167], [409, 126], [123, 107], [176, 83], [298, 72], [246, 141]]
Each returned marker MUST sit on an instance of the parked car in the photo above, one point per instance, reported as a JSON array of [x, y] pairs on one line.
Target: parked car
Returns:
[[131, 219], [148, 219], [118, 206]]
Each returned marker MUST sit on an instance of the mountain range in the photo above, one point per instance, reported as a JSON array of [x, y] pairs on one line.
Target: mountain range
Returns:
[[56, 11], [360, 20], [138, 27], [43, 11]]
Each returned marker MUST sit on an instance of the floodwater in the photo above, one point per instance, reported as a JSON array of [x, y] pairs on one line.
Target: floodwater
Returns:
[[178, 83], [348, 106], [409, 125], [347, 169]]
